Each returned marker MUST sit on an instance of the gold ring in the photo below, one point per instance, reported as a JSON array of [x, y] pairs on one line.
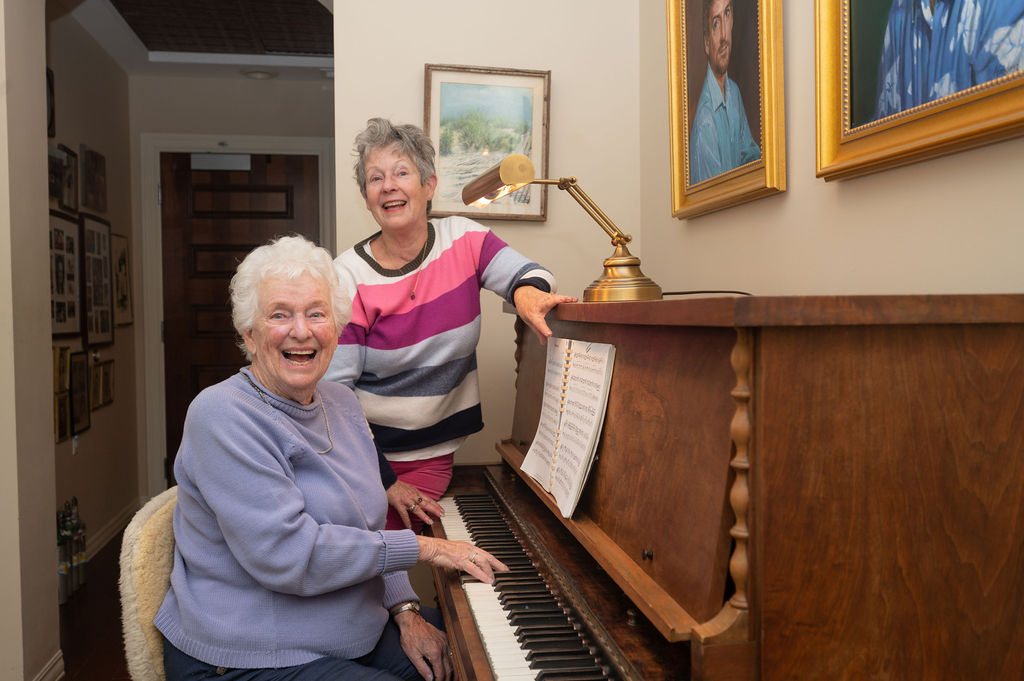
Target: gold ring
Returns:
[[472, 558], [412, 508]]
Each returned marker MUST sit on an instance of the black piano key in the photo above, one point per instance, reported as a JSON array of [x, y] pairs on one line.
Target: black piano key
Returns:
[[536, 629], [582, 660], [588, 666], [577, 673], [564, 644], [532, 619], [548, 607], [512, 587], [517, 601]]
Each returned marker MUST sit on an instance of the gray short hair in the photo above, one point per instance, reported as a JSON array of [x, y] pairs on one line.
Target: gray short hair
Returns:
[[410, 141], [286, 257]]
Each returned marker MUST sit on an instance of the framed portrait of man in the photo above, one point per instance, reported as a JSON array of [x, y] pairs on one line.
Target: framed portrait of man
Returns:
[[899, 81], [727, 108]]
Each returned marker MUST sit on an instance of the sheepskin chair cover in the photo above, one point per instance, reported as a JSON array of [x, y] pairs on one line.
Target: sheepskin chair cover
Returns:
[[147, 556]]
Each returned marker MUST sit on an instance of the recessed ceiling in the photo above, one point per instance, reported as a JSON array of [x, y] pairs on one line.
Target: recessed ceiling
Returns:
[[289, 38], [292, 27]]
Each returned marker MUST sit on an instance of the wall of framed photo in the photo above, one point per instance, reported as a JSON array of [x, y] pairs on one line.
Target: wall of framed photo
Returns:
[[90, 278]]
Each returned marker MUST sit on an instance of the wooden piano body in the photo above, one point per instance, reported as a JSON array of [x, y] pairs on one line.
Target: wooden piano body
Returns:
[[789, 488]]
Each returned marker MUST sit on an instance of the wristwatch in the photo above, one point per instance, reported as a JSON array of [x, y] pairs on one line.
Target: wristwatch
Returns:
[[402, 607]]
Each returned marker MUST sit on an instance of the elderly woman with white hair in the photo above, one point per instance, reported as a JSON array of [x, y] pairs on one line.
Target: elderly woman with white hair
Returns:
[[282, 566]]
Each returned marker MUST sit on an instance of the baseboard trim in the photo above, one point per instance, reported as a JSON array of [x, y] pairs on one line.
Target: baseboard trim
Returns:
[[54, 669], [95, 541]]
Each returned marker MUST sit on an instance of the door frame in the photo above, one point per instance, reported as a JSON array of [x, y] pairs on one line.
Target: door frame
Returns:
[[149, 382]]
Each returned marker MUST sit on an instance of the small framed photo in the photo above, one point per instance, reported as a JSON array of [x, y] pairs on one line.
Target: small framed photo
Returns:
[[61, 416], [725, 59], [94, 179], [102, 384], [122, 280], [51, 120], [97, 280], [898, 83], [476, 116], [65, 279], [55, 160], [61, 369], [68, 199], [79, 393]]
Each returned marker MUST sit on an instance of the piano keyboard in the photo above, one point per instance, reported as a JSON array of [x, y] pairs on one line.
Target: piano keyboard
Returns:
[[526, 632]]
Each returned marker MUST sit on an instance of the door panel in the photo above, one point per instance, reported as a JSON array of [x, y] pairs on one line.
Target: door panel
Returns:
[[210, 220]]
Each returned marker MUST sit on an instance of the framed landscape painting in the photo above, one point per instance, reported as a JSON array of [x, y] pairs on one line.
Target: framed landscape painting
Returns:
[[476, 116]]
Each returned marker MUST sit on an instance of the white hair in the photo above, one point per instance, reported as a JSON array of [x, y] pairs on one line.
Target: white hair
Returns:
[[286, 257]]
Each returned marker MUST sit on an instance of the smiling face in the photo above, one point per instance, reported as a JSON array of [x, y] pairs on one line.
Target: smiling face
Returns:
[[294, 336], [395, 194], [718, 36]]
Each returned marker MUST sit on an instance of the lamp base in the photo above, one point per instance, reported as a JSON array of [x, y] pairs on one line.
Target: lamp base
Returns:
[[622, 281]]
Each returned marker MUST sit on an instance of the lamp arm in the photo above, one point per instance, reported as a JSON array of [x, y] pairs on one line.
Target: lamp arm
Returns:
[[569, 185]]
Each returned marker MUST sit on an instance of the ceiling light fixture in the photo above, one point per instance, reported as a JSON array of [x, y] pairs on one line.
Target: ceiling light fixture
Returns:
[[259, 75]]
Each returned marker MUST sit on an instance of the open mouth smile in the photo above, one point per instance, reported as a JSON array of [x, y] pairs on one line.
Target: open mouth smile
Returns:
[[299, 356]]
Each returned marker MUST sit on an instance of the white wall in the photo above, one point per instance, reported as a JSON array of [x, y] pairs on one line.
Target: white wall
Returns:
[[592, 56], [948, 225], [29, 635]]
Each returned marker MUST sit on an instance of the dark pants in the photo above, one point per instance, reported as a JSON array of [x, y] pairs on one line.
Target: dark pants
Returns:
[[386, 662]]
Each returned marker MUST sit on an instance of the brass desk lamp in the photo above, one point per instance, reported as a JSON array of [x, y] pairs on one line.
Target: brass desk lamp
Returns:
[[622, 278]]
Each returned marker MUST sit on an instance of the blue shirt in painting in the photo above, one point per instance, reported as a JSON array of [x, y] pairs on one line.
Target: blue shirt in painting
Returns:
[[720, 139], [928, 54]]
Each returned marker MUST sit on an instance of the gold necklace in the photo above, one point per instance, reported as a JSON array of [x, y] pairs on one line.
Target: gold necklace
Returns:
[[406, 269], [423, 254], [322, 411]]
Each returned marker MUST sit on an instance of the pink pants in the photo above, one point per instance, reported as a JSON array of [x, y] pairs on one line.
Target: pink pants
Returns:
[[429, 476]]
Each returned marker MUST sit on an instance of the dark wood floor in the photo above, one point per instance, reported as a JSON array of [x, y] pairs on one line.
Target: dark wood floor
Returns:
[[90, 623]]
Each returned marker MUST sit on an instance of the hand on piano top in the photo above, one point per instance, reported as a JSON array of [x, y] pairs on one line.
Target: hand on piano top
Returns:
[[460, 555], [533, 305]]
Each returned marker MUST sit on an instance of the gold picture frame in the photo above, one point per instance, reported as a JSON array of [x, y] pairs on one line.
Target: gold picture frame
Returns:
[[475, 116], [101, 384], [758, 27], [849, 145]]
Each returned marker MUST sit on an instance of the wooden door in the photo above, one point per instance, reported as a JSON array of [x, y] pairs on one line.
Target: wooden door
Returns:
[[210, 220]]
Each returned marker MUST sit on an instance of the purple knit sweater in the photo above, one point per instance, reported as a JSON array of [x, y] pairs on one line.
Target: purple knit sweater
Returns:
[[280, 555]]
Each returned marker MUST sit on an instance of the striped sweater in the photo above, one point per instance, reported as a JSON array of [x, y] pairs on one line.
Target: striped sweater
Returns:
[[409, 351]]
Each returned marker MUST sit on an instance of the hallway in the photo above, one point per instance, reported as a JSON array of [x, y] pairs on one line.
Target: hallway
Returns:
[[90, 623]]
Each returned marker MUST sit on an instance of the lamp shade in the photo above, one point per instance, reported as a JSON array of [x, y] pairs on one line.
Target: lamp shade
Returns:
[[514, 172]]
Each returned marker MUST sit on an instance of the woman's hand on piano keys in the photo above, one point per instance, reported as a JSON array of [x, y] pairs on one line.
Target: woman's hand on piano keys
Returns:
[[460, 555], [533, 305]]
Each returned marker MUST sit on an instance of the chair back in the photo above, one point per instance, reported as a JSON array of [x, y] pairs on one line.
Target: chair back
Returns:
[[147, 556]]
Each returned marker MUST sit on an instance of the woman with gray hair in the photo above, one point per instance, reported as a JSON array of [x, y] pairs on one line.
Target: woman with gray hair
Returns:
[[282, 566], [409, 351]]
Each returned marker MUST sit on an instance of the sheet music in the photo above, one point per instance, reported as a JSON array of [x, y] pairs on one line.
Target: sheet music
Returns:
[[576, 382]]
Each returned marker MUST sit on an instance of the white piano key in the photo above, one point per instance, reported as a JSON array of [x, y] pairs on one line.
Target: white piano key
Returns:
[[454, 527], [508, 660]]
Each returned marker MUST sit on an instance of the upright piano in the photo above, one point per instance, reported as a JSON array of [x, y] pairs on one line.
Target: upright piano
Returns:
[[786, 488]]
